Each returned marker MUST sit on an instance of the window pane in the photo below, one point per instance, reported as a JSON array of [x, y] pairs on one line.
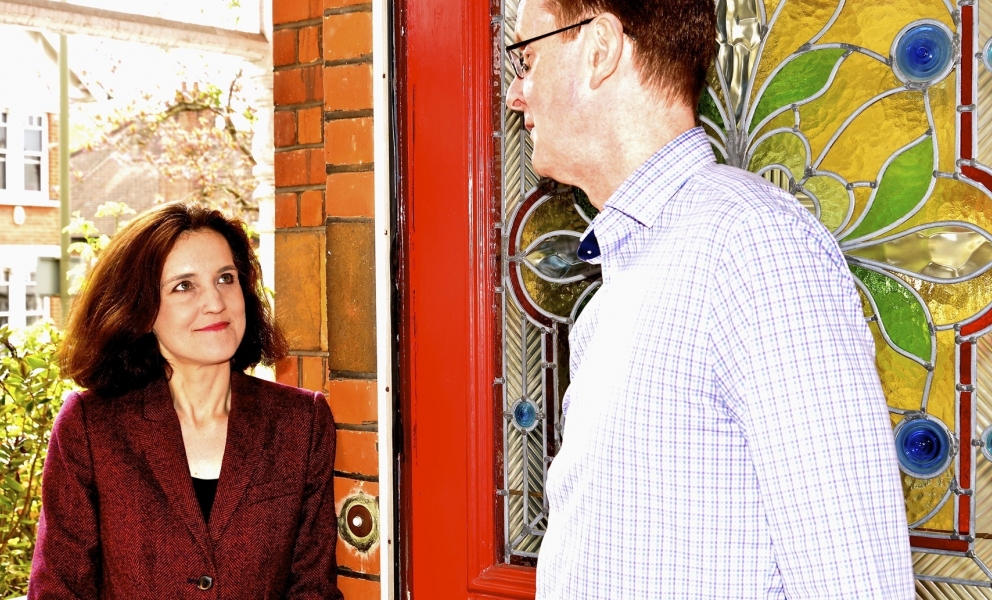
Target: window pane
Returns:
[[4, 300], [31, 301], [32, 176], [3, 136], [32, 319], [32, 140], [3, 172]]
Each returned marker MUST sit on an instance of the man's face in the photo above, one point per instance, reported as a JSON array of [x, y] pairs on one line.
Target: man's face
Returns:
[[545, 95]]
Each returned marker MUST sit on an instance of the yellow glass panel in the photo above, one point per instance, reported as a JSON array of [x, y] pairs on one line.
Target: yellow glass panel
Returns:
[[902, 379], [795, 25], [556, 298], [953, 200], [866, 308], [942, 393], [884, 127], [834, 199], [554, 214], [955, 302], [786, 119], [943, 106], [873, 25], [859, 79], [784, 149], [861, 196]]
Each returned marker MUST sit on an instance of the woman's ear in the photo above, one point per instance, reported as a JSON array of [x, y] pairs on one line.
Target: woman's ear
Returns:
[[605, 47]]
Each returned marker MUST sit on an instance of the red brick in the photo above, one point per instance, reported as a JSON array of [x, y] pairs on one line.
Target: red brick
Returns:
[[313, 373], [284, 128], [351, 194], [358, 589], [310, 130], [300, 285], [288, 371], [287, 11], [357, 452], [352, 400], [348, 141], [309, 44], [283, 47], [340, 3], [316, 166], [291, 168], [294, 86], [312, 212], [285, 210], [348, 35], [348, 87]]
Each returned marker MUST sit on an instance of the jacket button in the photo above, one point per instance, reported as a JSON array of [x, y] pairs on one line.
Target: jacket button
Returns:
[[205, 582]]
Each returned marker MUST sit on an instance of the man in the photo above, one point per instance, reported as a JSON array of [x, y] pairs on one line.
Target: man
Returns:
[[726, 435]]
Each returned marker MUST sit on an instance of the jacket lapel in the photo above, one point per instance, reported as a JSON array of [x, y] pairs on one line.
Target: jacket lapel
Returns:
[[166, 456], [246, 435]]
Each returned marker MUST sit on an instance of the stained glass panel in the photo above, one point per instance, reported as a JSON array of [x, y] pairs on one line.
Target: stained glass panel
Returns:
[[878, 118]]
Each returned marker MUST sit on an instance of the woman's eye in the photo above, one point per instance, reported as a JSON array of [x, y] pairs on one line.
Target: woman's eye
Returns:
[[227, 278], [183, 286]]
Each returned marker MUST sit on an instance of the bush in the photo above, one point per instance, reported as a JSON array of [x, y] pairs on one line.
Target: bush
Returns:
[[31, 393]]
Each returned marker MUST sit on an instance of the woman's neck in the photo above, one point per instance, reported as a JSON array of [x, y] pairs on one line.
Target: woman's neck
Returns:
[[201, 394]]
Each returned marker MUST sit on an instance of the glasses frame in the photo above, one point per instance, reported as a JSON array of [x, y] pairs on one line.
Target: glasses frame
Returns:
[[517, 60]]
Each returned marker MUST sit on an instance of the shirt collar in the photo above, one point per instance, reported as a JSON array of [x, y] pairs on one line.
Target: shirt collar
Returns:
[[646, 191]]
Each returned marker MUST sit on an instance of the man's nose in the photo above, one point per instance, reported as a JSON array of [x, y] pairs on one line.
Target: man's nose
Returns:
[[515, 96]]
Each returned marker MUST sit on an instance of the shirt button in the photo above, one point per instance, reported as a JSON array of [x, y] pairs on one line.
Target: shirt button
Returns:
[[205, 582]]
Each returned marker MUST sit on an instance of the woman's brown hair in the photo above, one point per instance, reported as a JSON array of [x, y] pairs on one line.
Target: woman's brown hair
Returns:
[[109, 346]]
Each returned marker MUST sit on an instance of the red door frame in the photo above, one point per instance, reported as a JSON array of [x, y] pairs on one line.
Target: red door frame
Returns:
[[448, 64]]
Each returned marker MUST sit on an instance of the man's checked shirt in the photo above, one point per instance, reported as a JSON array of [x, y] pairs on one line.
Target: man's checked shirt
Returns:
[[726, 435]]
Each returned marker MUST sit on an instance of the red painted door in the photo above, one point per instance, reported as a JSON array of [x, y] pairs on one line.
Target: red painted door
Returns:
[[448, 109]]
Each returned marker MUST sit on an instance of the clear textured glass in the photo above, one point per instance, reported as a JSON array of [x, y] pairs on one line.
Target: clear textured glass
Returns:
[[32, 140], [32, 175]]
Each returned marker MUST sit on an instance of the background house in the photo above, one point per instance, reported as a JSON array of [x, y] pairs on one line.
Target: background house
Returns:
[[29, 207]]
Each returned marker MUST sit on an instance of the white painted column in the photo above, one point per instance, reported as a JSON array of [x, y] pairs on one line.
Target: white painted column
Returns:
[[262, 150], [382, 111]]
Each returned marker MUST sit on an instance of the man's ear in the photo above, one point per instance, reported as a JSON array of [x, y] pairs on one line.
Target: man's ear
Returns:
[[605, 47]]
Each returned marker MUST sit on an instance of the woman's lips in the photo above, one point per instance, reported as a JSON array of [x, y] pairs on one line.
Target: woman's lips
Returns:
[[215, 327]]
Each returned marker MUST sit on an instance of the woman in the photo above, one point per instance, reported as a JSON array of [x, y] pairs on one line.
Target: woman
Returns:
[[176, 475]]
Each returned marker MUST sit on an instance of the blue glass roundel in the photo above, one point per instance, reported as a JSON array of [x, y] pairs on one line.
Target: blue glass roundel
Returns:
[[987, 55], [923, 53], [525, 414], [986, 440], [923, 447]]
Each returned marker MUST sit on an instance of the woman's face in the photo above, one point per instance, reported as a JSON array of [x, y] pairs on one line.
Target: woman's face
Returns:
[[201, 317]]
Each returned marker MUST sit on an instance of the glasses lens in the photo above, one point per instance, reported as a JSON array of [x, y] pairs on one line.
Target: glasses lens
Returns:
[[517, 62]]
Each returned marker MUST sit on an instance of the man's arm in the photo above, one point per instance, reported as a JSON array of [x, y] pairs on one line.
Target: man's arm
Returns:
[[796, 361]]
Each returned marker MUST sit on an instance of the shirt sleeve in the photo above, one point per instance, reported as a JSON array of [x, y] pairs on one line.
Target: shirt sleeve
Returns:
[[795, 361], [314, 566], [67, 556]]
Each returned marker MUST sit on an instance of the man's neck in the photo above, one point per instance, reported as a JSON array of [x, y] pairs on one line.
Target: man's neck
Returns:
[[634, 136]]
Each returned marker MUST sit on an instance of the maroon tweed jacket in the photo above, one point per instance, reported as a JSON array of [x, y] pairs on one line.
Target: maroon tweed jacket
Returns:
[[120, 519]]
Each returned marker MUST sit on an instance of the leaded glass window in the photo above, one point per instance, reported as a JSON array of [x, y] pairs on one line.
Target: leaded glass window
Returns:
[[877, 116]]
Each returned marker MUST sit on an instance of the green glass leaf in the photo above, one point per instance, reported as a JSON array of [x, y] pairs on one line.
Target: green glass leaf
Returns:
[[786, 149], [800, 78], [708, 108], [900, 314], [903, 183]]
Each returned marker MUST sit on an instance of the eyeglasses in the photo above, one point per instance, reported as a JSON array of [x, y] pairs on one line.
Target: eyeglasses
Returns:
[[520, 68]]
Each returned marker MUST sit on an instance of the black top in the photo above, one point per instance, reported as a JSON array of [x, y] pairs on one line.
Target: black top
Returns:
[[205, 490]]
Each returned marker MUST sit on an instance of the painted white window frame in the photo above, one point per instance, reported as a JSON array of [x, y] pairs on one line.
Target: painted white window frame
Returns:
[[17, 277], [15, 157]]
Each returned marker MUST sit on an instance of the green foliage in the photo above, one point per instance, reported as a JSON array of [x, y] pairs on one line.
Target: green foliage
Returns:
[[31, 392]]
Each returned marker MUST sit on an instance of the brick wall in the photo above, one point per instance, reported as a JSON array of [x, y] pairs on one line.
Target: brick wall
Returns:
[[324, 277], [41, 226]]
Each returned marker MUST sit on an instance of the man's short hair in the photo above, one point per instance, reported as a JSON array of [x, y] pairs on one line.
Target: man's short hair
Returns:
[[674, 40]]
